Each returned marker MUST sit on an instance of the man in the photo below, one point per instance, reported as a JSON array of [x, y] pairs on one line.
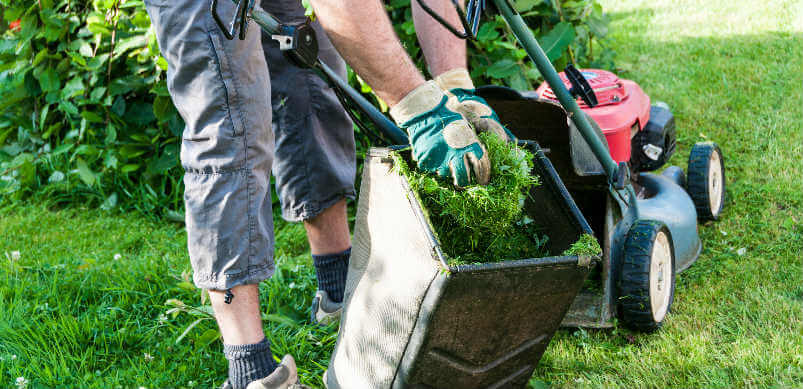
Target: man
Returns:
[[222, 89]]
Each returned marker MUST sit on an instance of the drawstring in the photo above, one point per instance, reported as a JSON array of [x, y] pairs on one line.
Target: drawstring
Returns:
[[228, 297]]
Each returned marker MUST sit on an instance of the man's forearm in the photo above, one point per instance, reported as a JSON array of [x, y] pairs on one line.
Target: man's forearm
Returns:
[[362, 33], [441, 48]]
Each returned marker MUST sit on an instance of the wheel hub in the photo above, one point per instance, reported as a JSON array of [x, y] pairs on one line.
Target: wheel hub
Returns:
[[660, 276], [715, 183]]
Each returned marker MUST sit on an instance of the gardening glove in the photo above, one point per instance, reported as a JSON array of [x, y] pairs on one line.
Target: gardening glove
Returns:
[[462, 98], [443, 141]]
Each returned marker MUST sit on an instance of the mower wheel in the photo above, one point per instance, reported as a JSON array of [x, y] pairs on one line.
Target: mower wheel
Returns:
[[646, 280], [706, 180]]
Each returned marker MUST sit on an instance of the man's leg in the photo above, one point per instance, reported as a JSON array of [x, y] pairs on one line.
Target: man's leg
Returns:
[[240, 321], [328, 232], [221, 88], [244, 343], [315, 157], [330, 245], [442, 50]]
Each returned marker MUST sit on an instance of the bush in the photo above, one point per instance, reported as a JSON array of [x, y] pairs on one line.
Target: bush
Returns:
[[86, 117]]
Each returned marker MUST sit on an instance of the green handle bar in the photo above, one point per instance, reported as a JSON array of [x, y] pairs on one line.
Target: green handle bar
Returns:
[[272, 26], [536, 53]]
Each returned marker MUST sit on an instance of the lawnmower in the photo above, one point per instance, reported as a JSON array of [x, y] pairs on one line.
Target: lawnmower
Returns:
[[597, 139], [604, 138], [645, 222]]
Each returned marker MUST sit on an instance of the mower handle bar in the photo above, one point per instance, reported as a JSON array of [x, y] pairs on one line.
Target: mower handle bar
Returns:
[[469, 20], [240, 19], [522, 33], [273, 26]]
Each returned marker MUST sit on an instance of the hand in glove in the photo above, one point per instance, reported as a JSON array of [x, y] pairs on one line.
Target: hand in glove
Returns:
[[460, 89], [443, 141]]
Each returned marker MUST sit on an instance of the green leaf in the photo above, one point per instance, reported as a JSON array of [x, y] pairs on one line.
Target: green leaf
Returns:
[[279, 319], [162, 164], [87, 150], [85, 173], [5, 134], [131, 152], [91, 117], [487, 32], [162, 63], [73, 88], [111, 134], [109, 203], [68, 107], [523, 6], [53, 128], [97, 94], [207, 338], [97, 25], [557, 40], [518, 82], [119, 86], [49, 80], [63, 149], [26, 170], [8, 46], [502, 69], [129, 168], [598, 27], [140, 113], [162, 108], [43, 115], [84, 48], [119, 106], [123, 45], [41, 56]]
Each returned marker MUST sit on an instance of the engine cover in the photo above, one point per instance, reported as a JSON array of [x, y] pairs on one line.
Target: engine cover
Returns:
[[623, 110]]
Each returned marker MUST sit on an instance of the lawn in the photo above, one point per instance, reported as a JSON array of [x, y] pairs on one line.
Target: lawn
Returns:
[[90, 298]]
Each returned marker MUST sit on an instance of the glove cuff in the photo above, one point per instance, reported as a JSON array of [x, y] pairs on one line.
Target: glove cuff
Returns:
[[455, 79], [421, 100]]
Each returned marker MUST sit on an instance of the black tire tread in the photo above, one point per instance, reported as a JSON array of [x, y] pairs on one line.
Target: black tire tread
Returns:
[[634, 277], [697, 178]]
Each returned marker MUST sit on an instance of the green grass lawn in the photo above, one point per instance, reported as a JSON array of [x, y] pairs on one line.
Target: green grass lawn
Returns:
[[88, 298]]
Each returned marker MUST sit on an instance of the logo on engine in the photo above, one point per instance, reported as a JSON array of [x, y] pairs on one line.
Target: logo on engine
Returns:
[[590, 75]]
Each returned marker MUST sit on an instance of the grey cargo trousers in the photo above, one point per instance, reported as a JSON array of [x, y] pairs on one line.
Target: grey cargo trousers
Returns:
[[222, 90]]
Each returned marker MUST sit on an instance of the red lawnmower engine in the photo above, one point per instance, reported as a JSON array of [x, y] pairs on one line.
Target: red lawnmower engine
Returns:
[[636, 132]]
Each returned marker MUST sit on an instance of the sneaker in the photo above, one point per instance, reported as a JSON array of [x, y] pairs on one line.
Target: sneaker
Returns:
[[324, 310], [284, 377]]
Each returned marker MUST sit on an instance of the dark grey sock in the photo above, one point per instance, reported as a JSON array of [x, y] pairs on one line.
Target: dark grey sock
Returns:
[[249, 362], [331, 270]]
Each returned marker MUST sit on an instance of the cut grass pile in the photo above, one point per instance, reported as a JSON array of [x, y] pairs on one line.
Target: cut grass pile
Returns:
[[481, 223], [587, 245]]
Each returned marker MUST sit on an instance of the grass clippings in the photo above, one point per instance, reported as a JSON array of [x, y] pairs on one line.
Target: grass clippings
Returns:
[[587, 245], [482, 224]]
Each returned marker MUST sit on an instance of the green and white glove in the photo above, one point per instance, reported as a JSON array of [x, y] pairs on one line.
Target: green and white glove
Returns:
[[443, 141], [460, 89]]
